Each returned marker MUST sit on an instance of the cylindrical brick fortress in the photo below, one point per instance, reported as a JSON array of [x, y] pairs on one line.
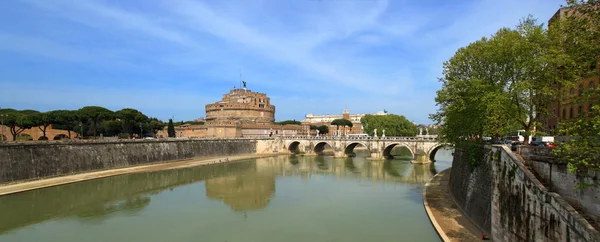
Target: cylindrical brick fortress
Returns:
[[242, 105]]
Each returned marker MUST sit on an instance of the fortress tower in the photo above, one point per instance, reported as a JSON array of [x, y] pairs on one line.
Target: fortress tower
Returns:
[[241, 106]]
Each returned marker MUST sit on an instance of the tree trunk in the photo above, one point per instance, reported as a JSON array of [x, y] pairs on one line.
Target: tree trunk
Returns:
[[69, 132], [94, 129], [43, 130]]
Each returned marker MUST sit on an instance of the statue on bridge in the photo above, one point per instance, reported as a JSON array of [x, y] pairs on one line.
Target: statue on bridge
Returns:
[[317, 133], [383, 134], [420, 131], [375, 133], [426, 131]]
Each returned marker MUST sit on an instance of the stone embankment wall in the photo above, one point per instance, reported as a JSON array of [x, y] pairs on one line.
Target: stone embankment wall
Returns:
[[471, 189], [557, 178], [37, 160], [522, 208]]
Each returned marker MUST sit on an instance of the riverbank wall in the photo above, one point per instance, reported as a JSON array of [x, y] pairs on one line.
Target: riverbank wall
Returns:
[[28, 161], [522, 208], [557, 178], [471, 188]]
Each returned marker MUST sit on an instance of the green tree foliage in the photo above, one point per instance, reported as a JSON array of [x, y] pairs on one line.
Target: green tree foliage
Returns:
[[156, 125], [112, 127], [87, 120], [191, 122], [394, 125], [575, 42], [171, 129], [131, 119], [288, 122], [323, 129], [95, 115], [18, 121], [341, 122], [65, 119], [493, 84], [42, 120]]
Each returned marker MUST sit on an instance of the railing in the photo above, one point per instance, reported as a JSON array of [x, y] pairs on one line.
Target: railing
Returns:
[[94, 141], [102, 141], [387, 138]]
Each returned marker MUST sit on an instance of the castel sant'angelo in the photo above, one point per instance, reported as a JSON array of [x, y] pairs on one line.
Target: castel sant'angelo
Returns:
[[240, 113], [244, 113]]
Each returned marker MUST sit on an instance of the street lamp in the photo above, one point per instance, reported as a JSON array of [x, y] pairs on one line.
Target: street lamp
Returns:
[[4, 137], [141, 131]]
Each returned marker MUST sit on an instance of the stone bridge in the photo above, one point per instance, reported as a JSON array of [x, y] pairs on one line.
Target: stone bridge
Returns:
[[422, 148]]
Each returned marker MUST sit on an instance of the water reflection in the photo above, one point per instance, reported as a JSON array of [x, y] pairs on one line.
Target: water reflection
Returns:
[[242, 192], [242, 186]]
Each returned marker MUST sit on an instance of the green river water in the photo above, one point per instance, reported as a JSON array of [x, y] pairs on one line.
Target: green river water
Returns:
[[295, 198]]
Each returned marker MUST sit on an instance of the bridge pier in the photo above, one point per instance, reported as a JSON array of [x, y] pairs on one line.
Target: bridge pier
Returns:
[[421, 159], [376, 156], [339, 154]]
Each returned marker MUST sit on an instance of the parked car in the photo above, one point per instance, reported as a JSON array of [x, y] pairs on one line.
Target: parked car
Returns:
[[543, 143], [514, 145]]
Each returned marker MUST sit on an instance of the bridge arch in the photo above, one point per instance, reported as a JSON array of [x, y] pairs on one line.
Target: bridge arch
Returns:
[[388, 150], [320, 147], [349, 149], [434, 149], [295, 147]]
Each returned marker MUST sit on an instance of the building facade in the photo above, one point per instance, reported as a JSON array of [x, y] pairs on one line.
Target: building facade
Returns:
[[242, 106], [318, 120], [569, 102], [240, 113]]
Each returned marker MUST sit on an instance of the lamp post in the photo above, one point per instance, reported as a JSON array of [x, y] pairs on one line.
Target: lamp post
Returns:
[[141, 131], [4, 137]]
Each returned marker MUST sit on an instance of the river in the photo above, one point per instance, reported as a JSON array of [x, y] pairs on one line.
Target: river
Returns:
[[286, 198]]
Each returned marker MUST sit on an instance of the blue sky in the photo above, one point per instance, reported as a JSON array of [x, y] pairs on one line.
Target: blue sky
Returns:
[[172, 57]]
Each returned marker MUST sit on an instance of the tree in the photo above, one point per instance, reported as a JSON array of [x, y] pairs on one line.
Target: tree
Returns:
[[171, 129], [575, 42], [288, 122], [42, 120], [341, 122], [394, 125], [95, 114], [18, 121], [323, 129], [131, 119], [65, 119], [156, 125], [491, 84], [112, 127]]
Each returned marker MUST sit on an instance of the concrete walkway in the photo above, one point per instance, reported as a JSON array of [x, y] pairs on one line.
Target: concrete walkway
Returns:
[[446, 217], [6, 189]]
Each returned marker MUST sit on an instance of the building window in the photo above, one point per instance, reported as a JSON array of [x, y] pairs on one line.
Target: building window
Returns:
[[572, 92], [564, 114], [571, 112], [564, 95], [580, 90], [580, 110]]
